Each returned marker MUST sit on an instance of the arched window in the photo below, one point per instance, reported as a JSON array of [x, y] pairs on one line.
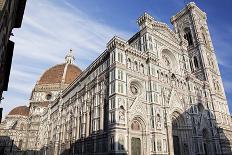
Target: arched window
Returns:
[[191, 65], [121, 143], [129, 63], [136, 66], [200, 107], [159, 145], [154, 144], [142, 68], [205, 134], [195, 62], [122, 113], [112, 143], [158, 118], [188, 36]]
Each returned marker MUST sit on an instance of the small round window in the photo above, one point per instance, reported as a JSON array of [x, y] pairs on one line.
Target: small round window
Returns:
[[48, 96], [134, 88]]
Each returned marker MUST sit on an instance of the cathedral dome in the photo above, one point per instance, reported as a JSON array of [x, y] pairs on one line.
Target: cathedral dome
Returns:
[[61, 73], [21, 110]]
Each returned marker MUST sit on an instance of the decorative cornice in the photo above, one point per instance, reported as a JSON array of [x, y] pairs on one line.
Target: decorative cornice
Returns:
[[187, 8], [116, 42], [145, 19], [135, 52]]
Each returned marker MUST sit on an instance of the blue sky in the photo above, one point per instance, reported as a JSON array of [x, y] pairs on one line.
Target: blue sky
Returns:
[[51, 27]]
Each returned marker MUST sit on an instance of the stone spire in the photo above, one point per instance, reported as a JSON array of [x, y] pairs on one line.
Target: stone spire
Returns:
[[69, 58]]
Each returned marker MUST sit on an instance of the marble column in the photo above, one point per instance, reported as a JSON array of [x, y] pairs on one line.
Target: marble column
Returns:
[[170, 139]]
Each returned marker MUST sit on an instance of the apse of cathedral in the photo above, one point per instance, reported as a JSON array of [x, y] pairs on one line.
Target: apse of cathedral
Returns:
[[160, 92]]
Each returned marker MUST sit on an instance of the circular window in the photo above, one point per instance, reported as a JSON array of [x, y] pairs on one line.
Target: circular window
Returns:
[[134, 88], [48, 96]]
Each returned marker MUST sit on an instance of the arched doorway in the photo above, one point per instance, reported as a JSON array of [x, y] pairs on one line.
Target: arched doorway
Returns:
[[180, 146], [136, 137], [206, 141]]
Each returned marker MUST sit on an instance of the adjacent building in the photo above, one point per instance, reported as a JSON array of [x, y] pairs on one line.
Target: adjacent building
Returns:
[[160, 92], [11, 15]]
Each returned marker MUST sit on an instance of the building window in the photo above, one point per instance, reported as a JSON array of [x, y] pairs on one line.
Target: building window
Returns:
[[152, 122], [191, 65], [112, 117], [112, 75], [120, 87], [112, 88], [121, 143], [112, 103], [159, 145], [48, 96], [112, 57], [134, 89], [154, 145], [155, 97], [165, 145], [112, 143], [142, 68], [195, 62], [129, 63], [188, 36], [136, 66], [120, 57], [96, 124], [120, 74]]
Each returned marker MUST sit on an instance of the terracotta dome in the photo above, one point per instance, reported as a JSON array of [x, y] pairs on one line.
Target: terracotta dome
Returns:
[[21, 110], [58, 73]]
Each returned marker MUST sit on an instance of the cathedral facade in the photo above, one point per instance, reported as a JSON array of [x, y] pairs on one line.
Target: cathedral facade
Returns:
[[160, 92]]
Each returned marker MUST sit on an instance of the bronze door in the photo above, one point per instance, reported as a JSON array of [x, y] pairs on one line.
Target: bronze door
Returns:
[[176, 145], [135, 146]]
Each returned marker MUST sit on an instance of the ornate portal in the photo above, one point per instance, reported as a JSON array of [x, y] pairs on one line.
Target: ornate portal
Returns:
[[135, 146]]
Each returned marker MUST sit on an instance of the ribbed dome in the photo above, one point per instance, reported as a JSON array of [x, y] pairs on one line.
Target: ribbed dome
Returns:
[[21, 110], [60, 72]]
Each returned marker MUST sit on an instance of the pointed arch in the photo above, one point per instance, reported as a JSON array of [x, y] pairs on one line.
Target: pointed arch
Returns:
[[140, 120], [188, 36], [195, 61], [177, 120]]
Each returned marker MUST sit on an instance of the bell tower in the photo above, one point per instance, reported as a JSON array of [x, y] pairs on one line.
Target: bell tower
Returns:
[[190, 24]]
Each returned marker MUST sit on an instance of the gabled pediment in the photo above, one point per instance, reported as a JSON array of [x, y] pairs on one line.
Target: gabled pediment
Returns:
[[165, 31], [174, 100]]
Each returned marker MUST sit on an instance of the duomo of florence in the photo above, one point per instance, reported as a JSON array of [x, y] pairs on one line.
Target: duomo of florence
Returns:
[[158, 93]]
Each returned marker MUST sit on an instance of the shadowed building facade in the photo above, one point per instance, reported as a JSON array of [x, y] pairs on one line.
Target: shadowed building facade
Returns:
[[11, 15], [160, 92]]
